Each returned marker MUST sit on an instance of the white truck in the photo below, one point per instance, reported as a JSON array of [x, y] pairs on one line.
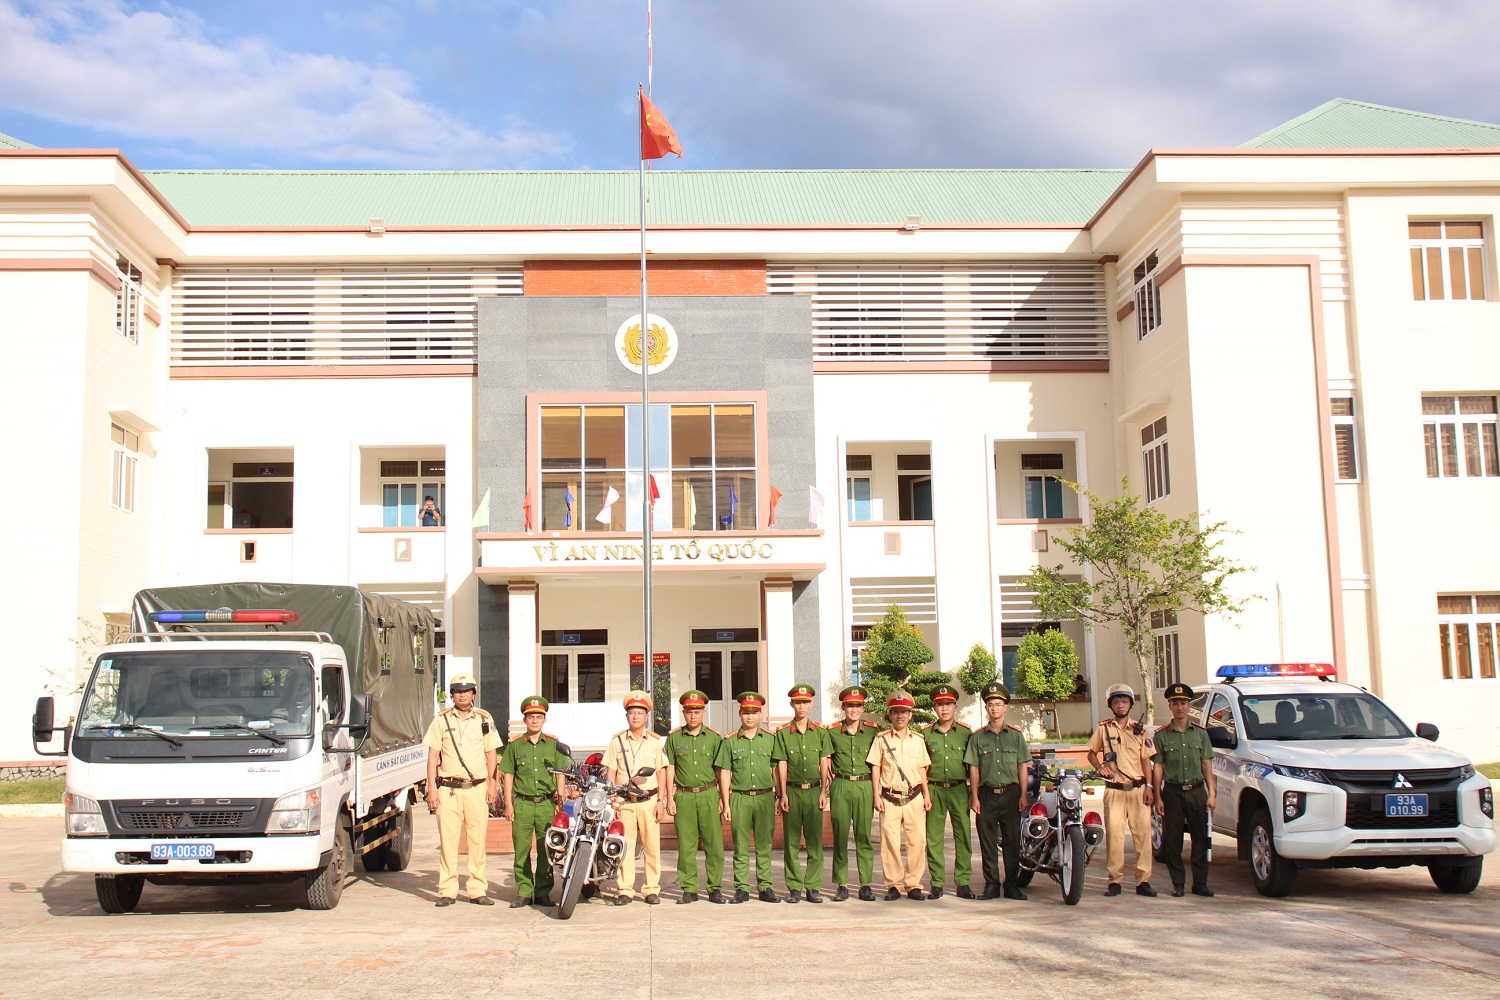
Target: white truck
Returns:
[[215, 745]]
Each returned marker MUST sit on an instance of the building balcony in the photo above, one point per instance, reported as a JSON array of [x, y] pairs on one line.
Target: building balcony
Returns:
[[399, 555], [889, 549]]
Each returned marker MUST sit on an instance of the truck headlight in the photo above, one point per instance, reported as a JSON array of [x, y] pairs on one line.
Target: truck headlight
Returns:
[[1293, 805], [297, 812], [85, 819], [1302, 773]]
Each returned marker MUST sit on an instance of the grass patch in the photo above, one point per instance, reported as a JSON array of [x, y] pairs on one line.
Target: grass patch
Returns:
[[1491, 771], [39, 790]]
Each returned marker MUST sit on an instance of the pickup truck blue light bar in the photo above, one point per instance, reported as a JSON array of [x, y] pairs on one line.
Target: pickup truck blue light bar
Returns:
[[1277, 670], [221, 616]]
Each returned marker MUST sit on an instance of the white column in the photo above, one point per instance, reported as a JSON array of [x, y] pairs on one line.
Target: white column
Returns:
[[776, 622], [525, 665]]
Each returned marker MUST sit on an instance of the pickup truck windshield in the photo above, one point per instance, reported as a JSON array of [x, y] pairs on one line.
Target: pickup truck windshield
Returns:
[[1333, 716], [199, 692]]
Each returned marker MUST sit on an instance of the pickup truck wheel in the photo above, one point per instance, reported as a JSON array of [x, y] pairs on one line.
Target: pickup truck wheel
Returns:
[[1272, 874], [120, 893], [326, 885], [1157, 854], [1457, 878], [398, 848]]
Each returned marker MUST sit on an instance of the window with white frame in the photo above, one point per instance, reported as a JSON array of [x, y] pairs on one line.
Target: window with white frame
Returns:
[[1467, 627], [1345, 454], [1164, 639], [1042, 487], [128, 301], [1147, 297], [857, 487], [1156, 466], [1447, 260], [124, 455], [405, 487], [1459, 436]]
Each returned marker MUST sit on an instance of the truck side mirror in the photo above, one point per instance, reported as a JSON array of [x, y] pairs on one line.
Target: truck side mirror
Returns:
[[1219, 738], [43, 727], [1427, 731], [360, 709]]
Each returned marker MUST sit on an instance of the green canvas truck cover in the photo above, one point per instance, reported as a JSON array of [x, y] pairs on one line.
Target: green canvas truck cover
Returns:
[[389, 642]]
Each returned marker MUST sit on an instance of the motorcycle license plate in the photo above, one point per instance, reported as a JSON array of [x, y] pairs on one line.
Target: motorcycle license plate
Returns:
[[1409, 804], [182, 852]]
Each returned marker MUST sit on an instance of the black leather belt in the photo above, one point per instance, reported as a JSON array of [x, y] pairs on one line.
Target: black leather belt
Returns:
[[899, 799], [946, 784], [642, 795], [1121, 786], [805, 785], [700, 788], [534, 798], [997, 789], [753, 791], [852, 777], [460, 782], [1182, 787]]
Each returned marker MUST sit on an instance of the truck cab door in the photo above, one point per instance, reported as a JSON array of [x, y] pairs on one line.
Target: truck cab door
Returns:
[[1223, 732], [338, 760]]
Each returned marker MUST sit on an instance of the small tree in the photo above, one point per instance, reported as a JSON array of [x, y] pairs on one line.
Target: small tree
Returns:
[[977, 670], [1046, 667], [1141, 562], [893, 657]]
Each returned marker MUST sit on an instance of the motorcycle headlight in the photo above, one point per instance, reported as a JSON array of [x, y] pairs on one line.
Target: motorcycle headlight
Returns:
[[84, 816], [297, 812], [1070, 787], [595, 799]]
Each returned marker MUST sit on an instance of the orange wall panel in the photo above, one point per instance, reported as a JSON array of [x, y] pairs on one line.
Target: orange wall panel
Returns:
[[665, 277]]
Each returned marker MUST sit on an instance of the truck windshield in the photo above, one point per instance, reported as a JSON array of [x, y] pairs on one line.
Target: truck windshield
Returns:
[[1333, 716], [189, 692]]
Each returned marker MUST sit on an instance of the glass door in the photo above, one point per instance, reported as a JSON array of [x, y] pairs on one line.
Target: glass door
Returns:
[[723, 672]]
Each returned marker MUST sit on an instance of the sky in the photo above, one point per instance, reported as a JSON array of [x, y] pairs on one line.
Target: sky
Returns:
[[773, 84]]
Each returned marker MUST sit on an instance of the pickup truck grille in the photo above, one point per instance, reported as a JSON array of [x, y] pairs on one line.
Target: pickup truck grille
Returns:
[[1385, 781], [186, 817], [1367, 812]]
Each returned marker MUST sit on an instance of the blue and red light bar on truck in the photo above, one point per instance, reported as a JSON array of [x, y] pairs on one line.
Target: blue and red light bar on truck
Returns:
[[1235, 671], [222, 616]]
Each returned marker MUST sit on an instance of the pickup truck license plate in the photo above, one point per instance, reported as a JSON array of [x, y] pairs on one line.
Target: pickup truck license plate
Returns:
[[1406, 805], [187, 852]]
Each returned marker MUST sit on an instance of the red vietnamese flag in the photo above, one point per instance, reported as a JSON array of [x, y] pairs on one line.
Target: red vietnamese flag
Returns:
[[526, 509], [775, 499], [655, 493], [657, 137]]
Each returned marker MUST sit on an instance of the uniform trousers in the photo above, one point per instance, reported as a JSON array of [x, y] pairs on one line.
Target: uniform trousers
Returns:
[[466, 810], [752, 816], [999, 823], [1181, 807], [903, 823], [1122, 808], [641, 826], [698, 822], [852, 803], [528, 825], [949, 804], [803, 819]]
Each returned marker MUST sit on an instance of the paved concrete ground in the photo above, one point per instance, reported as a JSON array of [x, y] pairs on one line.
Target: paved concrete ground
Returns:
[[1344, 934]]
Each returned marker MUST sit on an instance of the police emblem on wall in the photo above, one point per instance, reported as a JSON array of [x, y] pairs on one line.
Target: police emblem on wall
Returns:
[[658, 350]]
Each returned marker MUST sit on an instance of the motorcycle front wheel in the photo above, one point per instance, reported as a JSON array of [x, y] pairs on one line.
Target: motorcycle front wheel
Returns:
[[572, 887], [1071, 860]]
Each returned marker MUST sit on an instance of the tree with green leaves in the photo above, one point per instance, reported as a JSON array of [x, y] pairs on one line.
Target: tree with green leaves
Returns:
[[893, 658], [1046, 667], [1139, 562], [978, 669]]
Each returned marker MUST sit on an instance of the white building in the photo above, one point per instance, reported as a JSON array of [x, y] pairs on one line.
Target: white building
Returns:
[[216, 375]]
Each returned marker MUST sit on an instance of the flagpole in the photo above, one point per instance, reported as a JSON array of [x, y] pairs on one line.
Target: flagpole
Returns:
[[646, 511]]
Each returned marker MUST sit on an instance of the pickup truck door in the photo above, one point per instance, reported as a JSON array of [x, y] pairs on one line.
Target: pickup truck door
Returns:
[[1228, 774]]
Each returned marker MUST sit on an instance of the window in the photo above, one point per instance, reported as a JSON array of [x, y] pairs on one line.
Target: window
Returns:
[[1447, 260], [1168, 651], [260, 495], [1221, 716], [1467, 627], [1011, 634], [128, 301], [1044, 493], [1158, 469], [124, 455], [333, 694], [405, 486], [1344, 451], [1147, 298], [702, 462], [914, 487], [857, 487], [1447, 420]]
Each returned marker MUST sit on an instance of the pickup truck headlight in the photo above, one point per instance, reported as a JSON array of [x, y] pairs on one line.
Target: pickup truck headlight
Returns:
[[1302, 773], [297, 812], [85, 819]]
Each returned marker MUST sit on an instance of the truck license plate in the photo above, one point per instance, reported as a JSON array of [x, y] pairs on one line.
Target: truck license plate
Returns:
[[1406, 805], [183, 852]]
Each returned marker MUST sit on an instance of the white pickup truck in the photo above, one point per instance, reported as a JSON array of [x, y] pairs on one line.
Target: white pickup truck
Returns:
[[211, 747]]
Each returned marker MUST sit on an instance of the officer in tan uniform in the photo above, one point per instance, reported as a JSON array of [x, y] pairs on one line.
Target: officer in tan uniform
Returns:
[[899, 761], [461, 787], [628, 752], [1121, 751]]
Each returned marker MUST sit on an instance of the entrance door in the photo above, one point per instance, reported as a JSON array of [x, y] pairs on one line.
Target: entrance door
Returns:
[[574, 676], [722, 672]]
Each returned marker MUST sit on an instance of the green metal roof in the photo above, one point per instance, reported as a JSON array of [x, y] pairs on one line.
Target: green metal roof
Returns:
[[11, 142], [1344, 124], [610, 198]]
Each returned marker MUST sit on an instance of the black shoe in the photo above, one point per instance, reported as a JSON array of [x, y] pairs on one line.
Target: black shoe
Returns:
[[866, 893], [1202, 890], [964, 892], [688, 897], [1113, 890], [991, 891], [445, 901], [840, 894], [915, 894], [482, 901], [936, 892], [814, 896], [1011, 892], [1178, 890], [1144, 889], [793, 896], [652, 899], [622, 900], [515, 904], [892, 893], [740, 896], [769, 896], [541, 901], [715, 896]]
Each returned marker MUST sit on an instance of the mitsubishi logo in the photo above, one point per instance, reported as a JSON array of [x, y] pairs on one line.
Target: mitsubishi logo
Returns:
[[1401, 781]]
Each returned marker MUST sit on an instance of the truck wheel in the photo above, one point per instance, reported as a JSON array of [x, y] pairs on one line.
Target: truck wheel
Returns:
[[1457, 878], [1272, 874], [398, 848], [1157, 853], [120, 893], [324, 886]]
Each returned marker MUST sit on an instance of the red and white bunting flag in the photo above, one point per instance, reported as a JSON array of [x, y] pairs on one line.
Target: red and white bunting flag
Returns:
[[815, 507], [607, 513]]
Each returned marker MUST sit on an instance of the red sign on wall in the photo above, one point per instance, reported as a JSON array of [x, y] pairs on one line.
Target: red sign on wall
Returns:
[[657, 659]]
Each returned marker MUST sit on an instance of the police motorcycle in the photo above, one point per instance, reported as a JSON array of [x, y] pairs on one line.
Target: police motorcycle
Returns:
[[586, 841], [1057, 837]]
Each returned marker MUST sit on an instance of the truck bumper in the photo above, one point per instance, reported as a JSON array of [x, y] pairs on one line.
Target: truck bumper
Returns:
[[233, 856], [1344, 842]]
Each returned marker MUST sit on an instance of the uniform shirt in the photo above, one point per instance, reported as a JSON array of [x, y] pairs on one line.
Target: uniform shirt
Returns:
[[1182, 754], [803, 752], [850, 750], [894, 754], [1133, 750], [528, 763], [997, 756], [747, 759], [947, 751], [692, 757], [468, 740], [626, 755]]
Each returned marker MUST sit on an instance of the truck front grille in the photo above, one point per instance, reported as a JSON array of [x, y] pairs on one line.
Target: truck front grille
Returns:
[[226, 820], [187, 817]]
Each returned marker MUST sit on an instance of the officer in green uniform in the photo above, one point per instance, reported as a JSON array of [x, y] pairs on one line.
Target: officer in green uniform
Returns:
[[1184, 777], [852, 799], [692, 794], [747, 789], [530, 797], [947, 739], [999, 764], [800, 750]]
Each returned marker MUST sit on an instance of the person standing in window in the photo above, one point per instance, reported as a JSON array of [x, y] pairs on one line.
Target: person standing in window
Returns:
[[431, 516]]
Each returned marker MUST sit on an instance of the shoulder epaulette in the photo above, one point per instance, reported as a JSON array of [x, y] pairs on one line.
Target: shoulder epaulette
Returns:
[[711, 729], [480, 711], [1016, 728], [924, 727], [964, 724], [784, 725], [870, 724], [654, 734], [1105, 722], [549, 736]]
